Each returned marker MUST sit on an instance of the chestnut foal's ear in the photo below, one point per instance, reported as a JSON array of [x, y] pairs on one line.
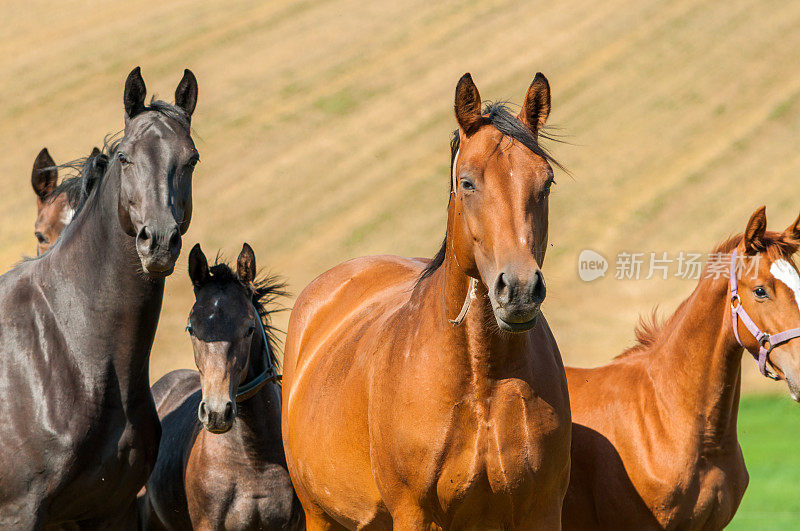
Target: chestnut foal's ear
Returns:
[[792, 232], [246, 265], [754, 233], [186, 93], [198, 266], [44, 175], [536, 107], [468, 105], [134, 94]]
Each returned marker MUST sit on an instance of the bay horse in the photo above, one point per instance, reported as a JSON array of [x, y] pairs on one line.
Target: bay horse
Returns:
[[80, 430], [221, 463], [430, 393], [654, 442], [55, 203]]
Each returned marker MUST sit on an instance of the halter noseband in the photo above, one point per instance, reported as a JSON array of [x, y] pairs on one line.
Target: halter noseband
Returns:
[[270, 374], [766, 342]]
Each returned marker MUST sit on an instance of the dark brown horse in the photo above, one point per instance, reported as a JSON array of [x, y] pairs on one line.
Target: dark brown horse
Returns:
[[80, 430], [232, 474], [422, 393], [654, 437], [55, 203]]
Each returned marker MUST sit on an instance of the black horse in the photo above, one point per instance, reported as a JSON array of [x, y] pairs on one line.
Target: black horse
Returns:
[[80, 431], [232, 474]]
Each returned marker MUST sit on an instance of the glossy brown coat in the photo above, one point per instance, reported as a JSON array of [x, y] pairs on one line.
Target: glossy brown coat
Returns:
[[394, 417], [654, 442]]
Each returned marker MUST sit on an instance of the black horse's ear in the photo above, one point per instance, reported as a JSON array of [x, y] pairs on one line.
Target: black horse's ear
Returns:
[[536, 108], [468, 105], [198, 266], [186, 93], [96, 165], [134, 94], [246, 265], [44, 175], [754, 233]]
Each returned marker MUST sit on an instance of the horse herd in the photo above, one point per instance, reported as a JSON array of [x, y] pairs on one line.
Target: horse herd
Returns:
[[416, 393]]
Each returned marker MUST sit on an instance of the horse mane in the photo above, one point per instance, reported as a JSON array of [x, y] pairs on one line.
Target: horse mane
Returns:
[[264, 291], [498, 115], [170, 111], [651, 328]]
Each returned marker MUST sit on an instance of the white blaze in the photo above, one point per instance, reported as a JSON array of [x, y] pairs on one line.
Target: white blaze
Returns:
[[783, 271]]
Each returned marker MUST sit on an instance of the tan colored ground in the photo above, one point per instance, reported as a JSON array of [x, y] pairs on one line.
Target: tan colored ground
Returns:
[[323, 128]]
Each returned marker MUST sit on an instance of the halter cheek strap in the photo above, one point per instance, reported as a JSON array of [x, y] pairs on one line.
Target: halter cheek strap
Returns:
[[472, 292], [270, 374], [766, 342]]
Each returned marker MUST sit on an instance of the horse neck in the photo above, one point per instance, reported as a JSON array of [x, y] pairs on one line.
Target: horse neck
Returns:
[[696, 368], [477, 342], [257, 425], [121, 304]]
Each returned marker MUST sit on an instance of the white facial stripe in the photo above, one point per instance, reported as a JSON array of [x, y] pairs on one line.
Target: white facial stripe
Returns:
[[783, 271], [66, 215], [455, 165]]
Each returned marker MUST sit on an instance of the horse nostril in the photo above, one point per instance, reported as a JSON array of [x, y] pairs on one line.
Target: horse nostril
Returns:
[[202, 412], [539, 288], [502, 290], [175, 242], [229, 412], [145, 238]]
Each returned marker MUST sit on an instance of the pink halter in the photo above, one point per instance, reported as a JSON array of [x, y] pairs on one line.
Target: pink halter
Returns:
[[766, 342]]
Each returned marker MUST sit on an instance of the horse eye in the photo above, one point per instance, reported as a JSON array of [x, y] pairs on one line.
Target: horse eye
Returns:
[[40, 237], [123, 158], [760, 292], [467, 185], [189, 328], [193, 161], [250, 331]]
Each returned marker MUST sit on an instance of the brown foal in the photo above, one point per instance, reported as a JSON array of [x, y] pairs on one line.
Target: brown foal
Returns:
[[55, 204], [654, 434], [431, 394]]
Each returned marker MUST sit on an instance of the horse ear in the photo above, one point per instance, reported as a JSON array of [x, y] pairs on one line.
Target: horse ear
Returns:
[[186, 93], [468, 105], [134, 94], [792, 232], [536, 108], [198, 266], [754, 233], [246, 264], [44, 175], [96, 165]]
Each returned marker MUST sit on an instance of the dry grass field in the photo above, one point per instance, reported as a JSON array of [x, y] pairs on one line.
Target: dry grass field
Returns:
[[323, 129]]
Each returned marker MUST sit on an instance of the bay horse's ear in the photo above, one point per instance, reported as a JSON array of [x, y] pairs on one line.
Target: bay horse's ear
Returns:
[[198, 266], [754, 233], [792, 232], [536, 108], [246, 265], [134, 94], [468, 105], [44, 175], [186, 93]]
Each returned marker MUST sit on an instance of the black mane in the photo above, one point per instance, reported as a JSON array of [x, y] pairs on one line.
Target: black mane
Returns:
[[264, 292], [170, 111], [498, 115]]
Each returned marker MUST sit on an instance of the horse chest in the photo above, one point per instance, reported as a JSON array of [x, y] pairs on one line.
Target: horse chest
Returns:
[[493, 459]]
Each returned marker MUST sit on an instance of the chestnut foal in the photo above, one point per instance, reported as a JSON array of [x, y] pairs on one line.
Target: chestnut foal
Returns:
[[430, 394], [654, 432], [232, 474], [55, 203]]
